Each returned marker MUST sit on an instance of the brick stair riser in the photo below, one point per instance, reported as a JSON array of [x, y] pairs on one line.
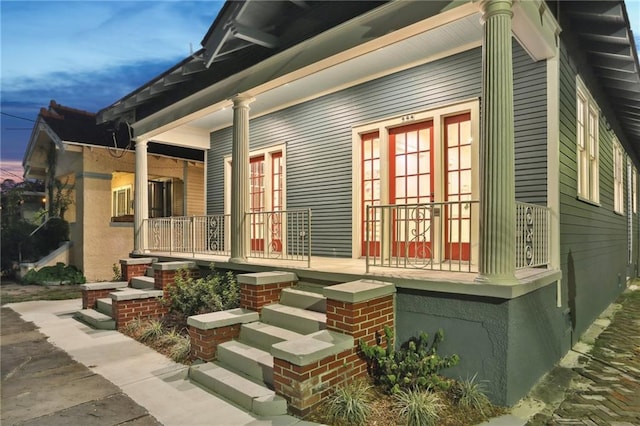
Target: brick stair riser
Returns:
[[125, 311]]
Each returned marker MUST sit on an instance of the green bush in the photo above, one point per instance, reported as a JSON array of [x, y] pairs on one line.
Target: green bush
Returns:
[[418, 408], [414, 366], [191, 296], [59, 274], [350, 404]]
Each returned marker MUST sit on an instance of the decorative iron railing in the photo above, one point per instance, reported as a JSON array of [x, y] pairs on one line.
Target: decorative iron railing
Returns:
[[282, 234], [434, 236], [532, 235], [188, 234]]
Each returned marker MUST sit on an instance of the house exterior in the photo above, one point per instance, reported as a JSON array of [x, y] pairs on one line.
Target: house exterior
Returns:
[[96, 168], [482, 156]]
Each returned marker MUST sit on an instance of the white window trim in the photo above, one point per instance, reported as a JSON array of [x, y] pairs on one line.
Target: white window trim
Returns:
[[618, 178], [383, 126], [589, 156], [129, 201]]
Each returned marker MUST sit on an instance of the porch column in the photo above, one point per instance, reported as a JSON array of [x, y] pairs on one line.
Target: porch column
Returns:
[[240, 179], [497, 175], [141, 197]]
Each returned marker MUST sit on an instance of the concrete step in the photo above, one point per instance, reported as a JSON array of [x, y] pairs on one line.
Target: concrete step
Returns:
[[96, 319], [142, 283], [236, 387], [248, 360], [104, 306], [261, 335], [299, 320], [303, 299], [149, 272]]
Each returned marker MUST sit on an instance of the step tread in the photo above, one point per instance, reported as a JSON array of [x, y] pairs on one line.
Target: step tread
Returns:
[[303, 299], [238, 388], [299, 320], [143, 282], [96, 319], [250, 360], [263, 335]]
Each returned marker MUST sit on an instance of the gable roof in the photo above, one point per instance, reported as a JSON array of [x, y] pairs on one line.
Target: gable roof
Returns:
[[79, 126]]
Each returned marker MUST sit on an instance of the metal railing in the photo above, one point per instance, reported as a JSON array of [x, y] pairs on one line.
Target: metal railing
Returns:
[[282, 234], [188, 234], [434, 236], [532, 235]]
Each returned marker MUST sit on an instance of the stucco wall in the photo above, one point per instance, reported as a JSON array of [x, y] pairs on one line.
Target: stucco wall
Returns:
[[494, 337]]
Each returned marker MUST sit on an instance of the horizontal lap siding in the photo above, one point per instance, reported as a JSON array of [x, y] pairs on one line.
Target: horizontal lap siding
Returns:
[[593, 239], [530, 127], [318, 141]]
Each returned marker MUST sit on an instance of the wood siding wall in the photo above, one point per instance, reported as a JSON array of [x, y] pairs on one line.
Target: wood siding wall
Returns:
[[318, 141], [593, 239]]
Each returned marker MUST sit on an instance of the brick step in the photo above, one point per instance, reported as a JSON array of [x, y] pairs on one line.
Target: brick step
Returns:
[[96, 319], [143, 283], [263, 336], [105, 306], [299, 320], [249, 360], [302, 299], [238, 388]]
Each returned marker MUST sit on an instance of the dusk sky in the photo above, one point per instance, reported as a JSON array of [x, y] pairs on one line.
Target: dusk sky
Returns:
[[88, 54]]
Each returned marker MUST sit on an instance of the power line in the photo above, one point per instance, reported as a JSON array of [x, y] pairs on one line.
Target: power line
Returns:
[[10, 173], [18, 117]]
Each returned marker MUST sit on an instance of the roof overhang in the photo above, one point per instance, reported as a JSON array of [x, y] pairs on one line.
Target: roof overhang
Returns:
[[34, 162]]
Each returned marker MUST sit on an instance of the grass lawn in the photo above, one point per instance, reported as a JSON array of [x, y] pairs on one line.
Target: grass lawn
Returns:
[[11, 292]]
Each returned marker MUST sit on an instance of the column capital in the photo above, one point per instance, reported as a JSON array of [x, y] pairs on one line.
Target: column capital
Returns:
[[491, 8], [140, 141], [242, 100]]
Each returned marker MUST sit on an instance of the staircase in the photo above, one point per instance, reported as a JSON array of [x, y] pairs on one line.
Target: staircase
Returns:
[[101, 317], [243, 371]]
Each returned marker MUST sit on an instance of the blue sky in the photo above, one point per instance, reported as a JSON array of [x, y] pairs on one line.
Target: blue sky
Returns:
[[88, 54]]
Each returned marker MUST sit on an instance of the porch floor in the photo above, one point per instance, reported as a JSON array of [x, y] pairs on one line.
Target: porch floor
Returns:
[[331, 270]]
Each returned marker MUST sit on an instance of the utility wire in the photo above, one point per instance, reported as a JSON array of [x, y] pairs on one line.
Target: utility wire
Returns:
[[18, 117]]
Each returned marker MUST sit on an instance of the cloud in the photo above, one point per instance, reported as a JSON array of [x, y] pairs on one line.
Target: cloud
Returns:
[[11, 169]]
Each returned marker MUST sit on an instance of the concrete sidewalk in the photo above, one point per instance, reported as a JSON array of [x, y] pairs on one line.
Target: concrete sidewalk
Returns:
[[147, 377]]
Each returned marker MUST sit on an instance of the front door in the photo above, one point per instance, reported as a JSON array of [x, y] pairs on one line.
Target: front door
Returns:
[[411, 172], [256, 202]]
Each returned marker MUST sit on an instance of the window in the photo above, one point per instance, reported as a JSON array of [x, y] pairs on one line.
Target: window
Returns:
[[618, 178], [122, 203], [588, 159]]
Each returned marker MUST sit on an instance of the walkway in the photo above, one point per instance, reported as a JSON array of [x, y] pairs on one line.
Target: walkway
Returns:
[[605, 389], [140, 374]]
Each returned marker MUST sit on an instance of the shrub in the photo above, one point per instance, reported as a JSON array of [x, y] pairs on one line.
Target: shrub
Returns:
[[152, 330], [349, 404], [59, 273], [418, 408], [191, 296], [471, 394], [414, 366], [117, 272], [181, 349]]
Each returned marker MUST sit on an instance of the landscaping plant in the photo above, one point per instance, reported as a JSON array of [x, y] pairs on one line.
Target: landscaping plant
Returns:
[[350, 404], [59, 274], [470, 393], [414, 366], [418, 407]]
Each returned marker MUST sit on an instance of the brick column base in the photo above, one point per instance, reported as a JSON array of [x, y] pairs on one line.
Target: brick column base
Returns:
[[262, 288], [204, 343], [135, 267], [125, 311], [89, 297]]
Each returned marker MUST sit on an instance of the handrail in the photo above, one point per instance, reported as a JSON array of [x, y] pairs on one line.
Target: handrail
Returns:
[[42, 224]]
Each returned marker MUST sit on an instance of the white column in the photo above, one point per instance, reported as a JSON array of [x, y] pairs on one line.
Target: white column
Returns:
[[497, 170], [141, 198], [240, 179]]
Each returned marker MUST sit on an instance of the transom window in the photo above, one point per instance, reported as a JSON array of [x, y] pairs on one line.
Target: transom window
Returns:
[[588, 159]]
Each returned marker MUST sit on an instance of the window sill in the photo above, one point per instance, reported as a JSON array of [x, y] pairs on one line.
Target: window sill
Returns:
[[619, 213], [125, 218], [588, 201]]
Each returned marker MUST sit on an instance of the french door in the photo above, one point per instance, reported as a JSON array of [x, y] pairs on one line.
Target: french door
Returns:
[[428, 181], [257, 202], [265, 203], [411, 171]]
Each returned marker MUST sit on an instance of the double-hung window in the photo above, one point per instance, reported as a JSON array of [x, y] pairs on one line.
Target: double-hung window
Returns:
[[122, 201], [588, 158], [618, 178]]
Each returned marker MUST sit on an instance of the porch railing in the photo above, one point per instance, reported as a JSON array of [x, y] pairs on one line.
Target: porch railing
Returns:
[[188, 234], [434, 236], [282, 234], [444, 236], [532, 235]]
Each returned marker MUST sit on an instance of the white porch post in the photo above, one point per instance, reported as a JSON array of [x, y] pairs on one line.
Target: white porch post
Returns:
[[240, 179], [141, 197], [497, 175]]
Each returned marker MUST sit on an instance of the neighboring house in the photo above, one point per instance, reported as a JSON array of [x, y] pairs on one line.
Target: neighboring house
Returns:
[[491, 177], [97, 165]]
